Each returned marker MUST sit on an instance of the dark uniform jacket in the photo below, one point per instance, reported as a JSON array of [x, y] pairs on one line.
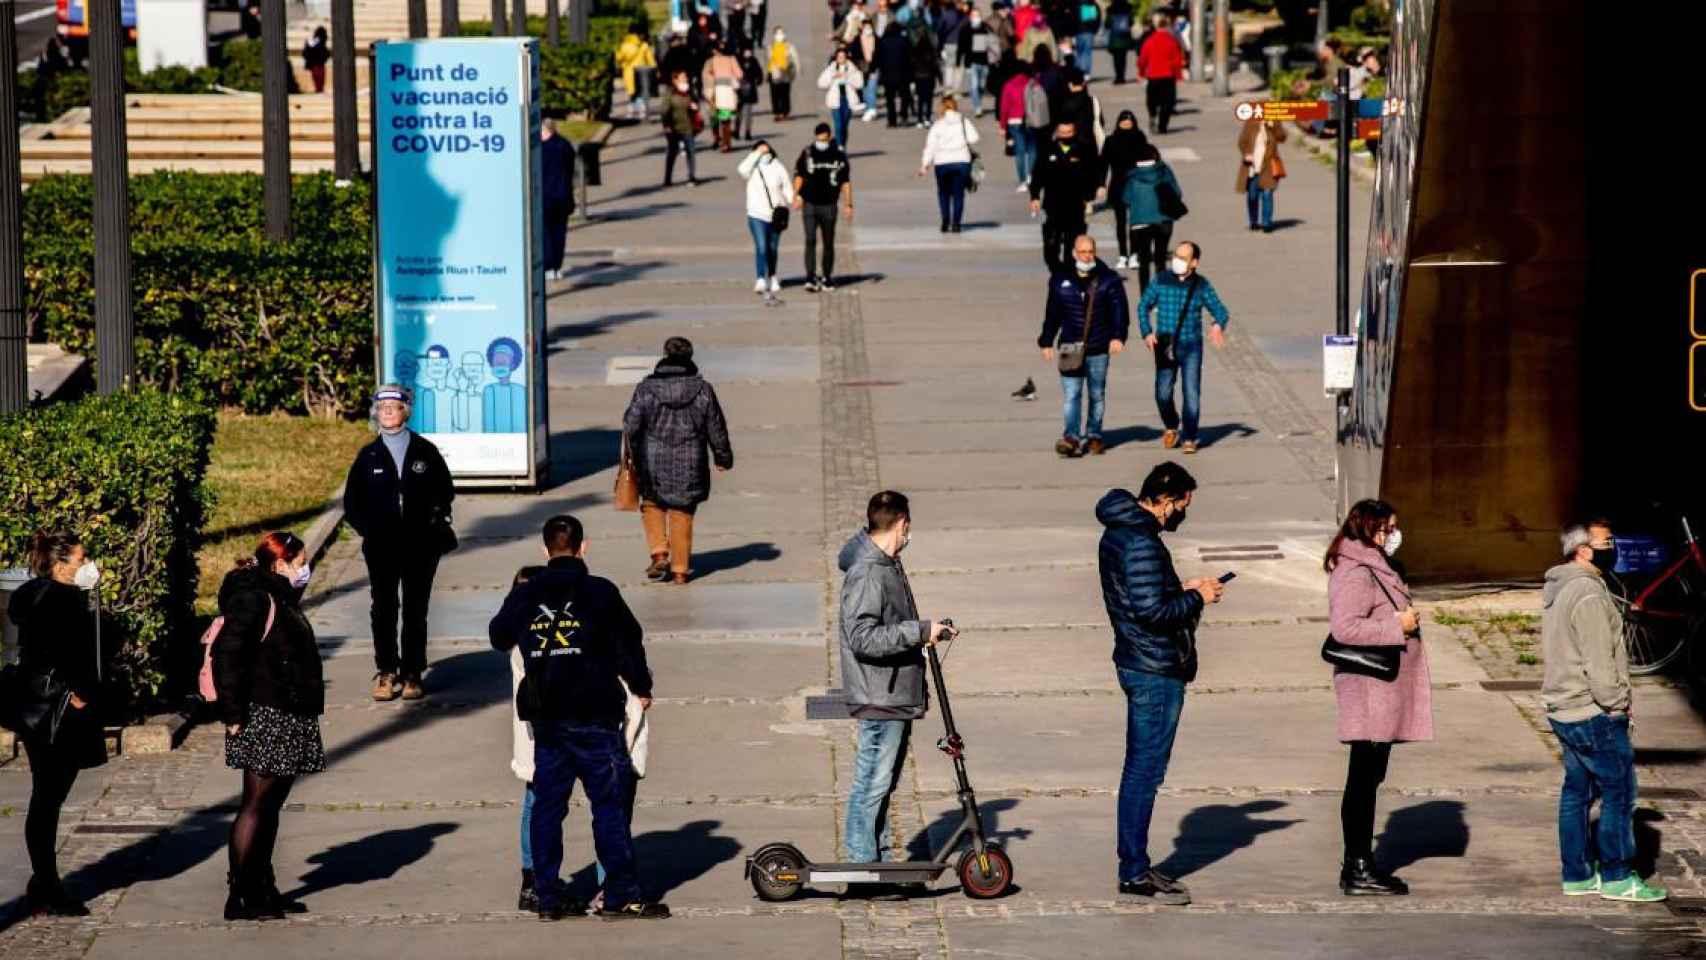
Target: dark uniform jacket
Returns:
[[277, 668], [1154, 617], [413, 511]]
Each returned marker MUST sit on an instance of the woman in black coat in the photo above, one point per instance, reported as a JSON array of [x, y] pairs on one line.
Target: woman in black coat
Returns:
[[59, 662], [1125, 145], [894, 65], [926, 70], [673, 419], [266, 670]]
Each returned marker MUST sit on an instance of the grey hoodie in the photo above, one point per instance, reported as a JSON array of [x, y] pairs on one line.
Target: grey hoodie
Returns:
[[1581, 637], [882, 637]]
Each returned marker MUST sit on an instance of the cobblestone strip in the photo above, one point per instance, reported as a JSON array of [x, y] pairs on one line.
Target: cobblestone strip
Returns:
[[142, 792], [1297, 428]]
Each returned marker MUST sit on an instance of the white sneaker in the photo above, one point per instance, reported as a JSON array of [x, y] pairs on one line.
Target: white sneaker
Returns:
[[869, 116], [1022, 188], [553, 275], [775, 285], [1121, 264], [760, 286]]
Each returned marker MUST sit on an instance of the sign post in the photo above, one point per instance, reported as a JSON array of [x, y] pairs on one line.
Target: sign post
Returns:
[[459, 280]]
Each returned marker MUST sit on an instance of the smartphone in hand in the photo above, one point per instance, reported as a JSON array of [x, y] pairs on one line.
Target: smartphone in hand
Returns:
[[1227, 577]]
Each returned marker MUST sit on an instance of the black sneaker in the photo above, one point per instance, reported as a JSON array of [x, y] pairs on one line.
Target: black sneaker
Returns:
[[825, 286], [1359, 877], [567, 908], [811, 285], [528, 900], [637, 910], [1157, 888]]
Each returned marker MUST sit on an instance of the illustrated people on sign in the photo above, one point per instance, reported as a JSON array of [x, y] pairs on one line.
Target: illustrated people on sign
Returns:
[[465, 405], [430, 398], [503, 404]]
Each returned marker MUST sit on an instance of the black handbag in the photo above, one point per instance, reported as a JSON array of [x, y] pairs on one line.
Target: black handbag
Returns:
[[1172, 205], [1380, 662], [1167, 344], [34, 704], [778, 212]]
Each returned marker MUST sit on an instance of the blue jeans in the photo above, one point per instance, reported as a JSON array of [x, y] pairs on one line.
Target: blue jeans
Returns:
[[766, 244], [951, 180], [871, 89], [1073, 388], [595, 755], [1083, 45], [1259, 201], [979, 74], [1153, 703], [1190, 371], [1599, 762], [527, 828], [876, 768], [1024, 150], [842, 116]]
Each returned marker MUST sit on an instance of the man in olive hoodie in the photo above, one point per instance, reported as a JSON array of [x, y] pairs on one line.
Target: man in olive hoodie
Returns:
[[882, 666], [1586, 694]]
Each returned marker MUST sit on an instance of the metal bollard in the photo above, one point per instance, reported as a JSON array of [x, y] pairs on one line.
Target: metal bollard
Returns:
[[1275, 57]]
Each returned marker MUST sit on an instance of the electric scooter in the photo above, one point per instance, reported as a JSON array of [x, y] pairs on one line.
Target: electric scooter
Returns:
[[779, 871]]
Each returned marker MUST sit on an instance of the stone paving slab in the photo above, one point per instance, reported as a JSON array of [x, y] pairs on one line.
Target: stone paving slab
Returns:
[[1253, 738], [718, 557]]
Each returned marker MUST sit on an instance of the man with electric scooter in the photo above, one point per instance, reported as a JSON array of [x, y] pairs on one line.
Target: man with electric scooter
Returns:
[[1154, 617], [882, 672]]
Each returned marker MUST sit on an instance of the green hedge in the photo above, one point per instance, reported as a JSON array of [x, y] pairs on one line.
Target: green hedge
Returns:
[[124, 473], [221, 313], [238, 67]]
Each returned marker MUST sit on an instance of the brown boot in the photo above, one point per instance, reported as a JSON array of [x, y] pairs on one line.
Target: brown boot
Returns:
[[678, 578], [385, 687], [412, 689], [1096, 446], [1169, 439], [659, 569]]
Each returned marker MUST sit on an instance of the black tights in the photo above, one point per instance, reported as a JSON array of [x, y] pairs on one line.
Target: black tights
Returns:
[[51, 777], [1356, 813], [255, 830]]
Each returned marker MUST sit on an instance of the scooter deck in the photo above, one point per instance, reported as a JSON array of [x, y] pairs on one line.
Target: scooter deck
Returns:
[[900, 871]]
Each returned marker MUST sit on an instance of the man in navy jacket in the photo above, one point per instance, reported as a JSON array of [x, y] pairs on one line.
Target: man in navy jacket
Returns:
[[1086, 305], [1154, 617]]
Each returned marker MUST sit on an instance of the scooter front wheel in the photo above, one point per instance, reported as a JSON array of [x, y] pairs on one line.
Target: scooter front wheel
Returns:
[[778, 872], [988, 879]]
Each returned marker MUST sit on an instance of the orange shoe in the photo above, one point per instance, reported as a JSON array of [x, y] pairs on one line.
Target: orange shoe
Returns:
[[1169, 439], [1190, 446]]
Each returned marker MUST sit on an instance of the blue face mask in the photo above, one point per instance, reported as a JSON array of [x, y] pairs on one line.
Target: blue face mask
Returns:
[[501, 372]]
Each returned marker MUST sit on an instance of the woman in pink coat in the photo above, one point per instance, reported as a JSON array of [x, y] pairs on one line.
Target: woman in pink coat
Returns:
[[1369, 605]]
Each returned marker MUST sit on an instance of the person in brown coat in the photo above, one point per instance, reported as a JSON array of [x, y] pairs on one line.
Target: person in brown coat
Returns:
[[1260, 169]]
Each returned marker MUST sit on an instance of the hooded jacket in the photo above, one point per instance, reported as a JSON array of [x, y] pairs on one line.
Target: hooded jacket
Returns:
[[674, 427], [882, 636], [1122, 149], [279, 668], [56, 634], [1581, 638], [579, 642], [1153, 616], [1139, 191]]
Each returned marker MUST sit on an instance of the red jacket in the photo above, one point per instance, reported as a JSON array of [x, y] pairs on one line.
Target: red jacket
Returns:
[[1162, 57], [1012, 106]]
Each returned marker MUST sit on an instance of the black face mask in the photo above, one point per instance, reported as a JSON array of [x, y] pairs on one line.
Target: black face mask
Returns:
[[1605, 560], [1174, 521]]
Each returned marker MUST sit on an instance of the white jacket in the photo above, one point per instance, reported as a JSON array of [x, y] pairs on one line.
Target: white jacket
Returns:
[[950, 140], [635, 728], [842, 81], [768, 185]]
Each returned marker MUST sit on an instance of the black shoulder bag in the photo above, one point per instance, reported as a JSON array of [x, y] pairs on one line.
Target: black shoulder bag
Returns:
[[1167, 344], [778, 212], [1379, 662]]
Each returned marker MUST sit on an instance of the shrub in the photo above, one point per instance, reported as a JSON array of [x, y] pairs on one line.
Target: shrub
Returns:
[[220, 312], [240, 66], [125, 473], [573, 77], [1372, 18]]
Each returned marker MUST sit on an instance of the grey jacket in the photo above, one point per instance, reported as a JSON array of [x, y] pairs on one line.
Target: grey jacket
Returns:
[[1581, 637], [882, 637]]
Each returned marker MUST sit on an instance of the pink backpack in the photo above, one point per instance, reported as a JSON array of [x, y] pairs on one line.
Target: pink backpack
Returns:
[[205, 681]]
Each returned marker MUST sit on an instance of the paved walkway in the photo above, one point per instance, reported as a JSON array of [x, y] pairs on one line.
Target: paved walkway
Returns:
[[406, 846]]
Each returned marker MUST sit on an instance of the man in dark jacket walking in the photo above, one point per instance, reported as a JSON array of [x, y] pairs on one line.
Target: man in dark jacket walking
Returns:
[[579, 643], [672, 432], [882, 666], [557, 189], [1063, 184], [397, 497], [1087, 311], [1154, 617], [894, 65]]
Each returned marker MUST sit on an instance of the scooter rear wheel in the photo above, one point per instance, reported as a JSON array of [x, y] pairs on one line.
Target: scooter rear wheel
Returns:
[[782, 859], [985, 884]]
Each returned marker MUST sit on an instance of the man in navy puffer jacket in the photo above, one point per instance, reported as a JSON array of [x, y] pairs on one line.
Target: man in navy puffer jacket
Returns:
[[1154, 617]]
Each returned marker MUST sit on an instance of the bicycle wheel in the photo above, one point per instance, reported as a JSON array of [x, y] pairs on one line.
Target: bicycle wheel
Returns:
[[1652, 641]]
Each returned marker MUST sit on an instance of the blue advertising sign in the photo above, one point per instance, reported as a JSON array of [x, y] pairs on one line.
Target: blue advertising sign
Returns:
[[459, 278]]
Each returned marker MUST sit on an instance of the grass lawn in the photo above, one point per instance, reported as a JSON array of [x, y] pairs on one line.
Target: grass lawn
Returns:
[[578, 130], [269, 473], [1505, 643]]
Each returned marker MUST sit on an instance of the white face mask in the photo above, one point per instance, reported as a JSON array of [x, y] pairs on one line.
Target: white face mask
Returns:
[[1394, 540], [87, 575], [1084, 266], [681, 85], [1181, 266], [300, 578], [820, 144], [780, 37]]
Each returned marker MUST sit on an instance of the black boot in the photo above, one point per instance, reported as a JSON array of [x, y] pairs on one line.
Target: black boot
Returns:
[[1359, 877], [529, 899], [267, 890], [50, 898], [246, 901]]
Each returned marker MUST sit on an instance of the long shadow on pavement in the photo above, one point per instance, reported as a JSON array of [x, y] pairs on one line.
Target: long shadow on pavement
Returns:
[[1436, 828], [378, 856], [1214, 832], [729, 558], [668, 858]]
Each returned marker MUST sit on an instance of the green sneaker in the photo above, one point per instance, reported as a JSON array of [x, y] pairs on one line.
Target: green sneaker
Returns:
[[1632, 889], [1581, 888]]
